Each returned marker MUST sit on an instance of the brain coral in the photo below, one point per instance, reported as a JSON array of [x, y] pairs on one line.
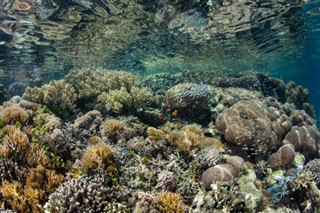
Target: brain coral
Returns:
[[249, 123]]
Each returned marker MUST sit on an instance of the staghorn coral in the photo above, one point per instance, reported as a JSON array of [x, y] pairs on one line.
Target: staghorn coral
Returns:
[[10, 170], [13, 114], [84, 194], [13, 192], [57, 95], [170, 202], [98, 157]]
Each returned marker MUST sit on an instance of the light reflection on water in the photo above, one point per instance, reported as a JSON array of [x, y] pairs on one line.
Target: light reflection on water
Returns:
[[48, 37]]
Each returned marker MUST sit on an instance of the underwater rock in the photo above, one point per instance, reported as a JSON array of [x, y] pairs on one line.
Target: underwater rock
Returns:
[[284, 157], [305, 140], [247, 124]]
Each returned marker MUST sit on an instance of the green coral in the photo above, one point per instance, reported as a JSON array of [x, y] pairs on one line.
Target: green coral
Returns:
[[90, 82], [57, 95], [119, 100]]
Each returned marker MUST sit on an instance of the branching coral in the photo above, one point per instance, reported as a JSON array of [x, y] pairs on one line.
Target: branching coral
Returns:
[[112, 127], [57, 95], [15, 144], [98, 157], [155, 134], [13, 114], [170, 202], [90, 82], [85, 194]]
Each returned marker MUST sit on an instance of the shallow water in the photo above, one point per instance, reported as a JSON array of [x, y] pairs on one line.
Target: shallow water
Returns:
[[128, 140]]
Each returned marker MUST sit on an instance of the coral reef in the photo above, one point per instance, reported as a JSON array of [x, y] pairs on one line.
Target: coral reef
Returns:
[[211, 145], [248, 124], [305, 140], [57, 95], [85, 194], [284, 157]]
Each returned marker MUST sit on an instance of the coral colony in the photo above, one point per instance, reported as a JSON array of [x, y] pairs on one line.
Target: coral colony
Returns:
[[111, 141]]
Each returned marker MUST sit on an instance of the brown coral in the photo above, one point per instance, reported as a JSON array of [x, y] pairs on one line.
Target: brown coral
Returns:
[[221, 173], [15, 144], [155, 134], [305, 140], [13, 114], [97, 157], [284, 157], [170, 202], [248, 124]]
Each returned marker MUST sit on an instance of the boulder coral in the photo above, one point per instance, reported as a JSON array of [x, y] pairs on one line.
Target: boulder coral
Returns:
[[222, 172], [284, 157], [305, 140], [250, 125]]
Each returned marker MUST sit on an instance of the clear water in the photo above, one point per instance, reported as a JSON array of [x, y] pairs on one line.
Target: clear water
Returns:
[[46, 38]]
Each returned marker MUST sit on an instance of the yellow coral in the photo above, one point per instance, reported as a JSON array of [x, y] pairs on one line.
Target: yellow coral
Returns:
[[13, 114], [97, 156], [15, 144], [112, 127], [57, 93], [116, 100], [13, 193], [155, 134], [36, 155], [170, 202], [53, 180]]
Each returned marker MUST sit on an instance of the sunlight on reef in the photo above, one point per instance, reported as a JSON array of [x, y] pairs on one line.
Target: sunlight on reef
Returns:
[[110, 141]]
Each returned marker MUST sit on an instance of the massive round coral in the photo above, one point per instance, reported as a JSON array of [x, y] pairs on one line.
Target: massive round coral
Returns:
[[249, 123]]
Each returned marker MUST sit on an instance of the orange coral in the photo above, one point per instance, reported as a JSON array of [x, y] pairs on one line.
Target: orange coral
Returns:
[[170, 202]]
